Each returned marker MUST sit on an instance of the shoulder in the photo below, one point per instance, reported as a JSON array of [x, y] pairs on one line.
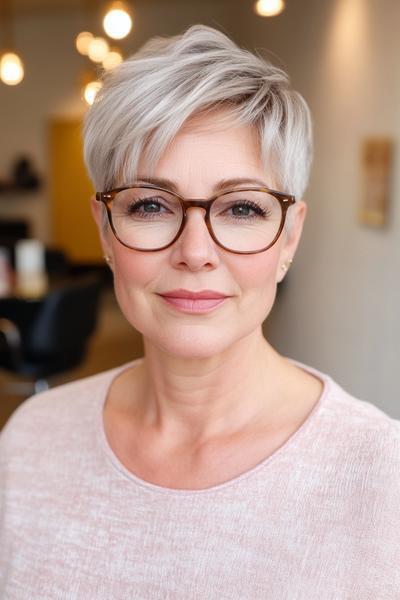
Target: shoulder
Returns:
[[59, 409], [362, 432], [358, 413], [340, 407], [354, 451], [354, 432]]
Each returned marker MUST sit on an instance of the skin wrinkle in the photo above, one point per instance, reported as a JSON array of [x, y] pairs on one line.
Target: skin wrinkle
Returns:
[[198, 368]]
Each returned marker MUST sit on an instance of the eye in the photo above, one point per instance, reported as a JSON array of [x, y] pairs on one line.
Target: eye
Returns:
[[146, 205], [246, 209]]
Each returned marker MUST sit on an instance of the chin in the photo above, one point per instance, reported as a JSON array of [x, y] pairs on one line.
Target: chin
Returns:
[[199, 342], [192, 343]]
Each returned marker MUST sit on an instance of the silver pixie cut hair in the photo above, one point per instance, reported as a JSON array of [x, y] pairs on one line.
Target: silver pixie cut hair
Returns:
[[145, 101]]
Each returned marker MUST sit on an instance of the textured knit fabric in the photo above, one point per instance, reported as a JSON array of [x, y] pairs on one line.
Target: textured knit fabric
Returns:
[[319, 519]]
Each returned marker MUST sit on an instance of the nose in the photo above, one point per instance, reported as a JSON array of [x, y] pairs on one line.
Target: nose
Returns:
[[195, 249]]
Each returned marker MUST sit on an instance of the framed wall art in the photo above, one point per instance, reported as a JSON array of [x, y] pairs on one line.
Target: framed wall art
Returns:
[[376, 161]]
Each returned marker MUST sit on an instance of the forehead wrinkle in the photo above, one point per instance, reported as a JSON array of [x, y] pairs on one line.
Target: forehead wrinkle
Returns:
[[220, 185]]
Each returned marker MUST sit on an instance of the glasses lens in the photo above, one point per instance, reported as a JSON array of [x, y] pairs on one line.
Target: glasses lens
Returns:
[[246, 221], [146, 218]]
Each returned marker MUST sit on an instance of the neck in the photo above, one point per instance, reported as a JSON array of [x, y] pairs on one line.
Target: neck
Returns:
[[198, 399]]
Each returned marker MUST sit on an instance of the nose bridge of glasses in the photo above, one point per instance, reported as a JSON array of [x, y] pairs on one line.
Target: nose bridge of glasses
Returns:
[[195, 203]]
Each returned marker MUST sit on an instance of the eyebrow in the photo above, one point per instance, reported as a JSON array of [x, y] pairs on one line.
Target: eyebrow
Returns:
[[221, 185]]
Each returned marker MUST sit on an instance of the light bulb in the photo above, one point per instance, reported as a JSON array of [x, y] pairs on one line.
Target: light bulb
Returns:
[[90, 91], [117, 23], [98, 49], [112, 60], [83, 39], [11, 69], [269, 8]]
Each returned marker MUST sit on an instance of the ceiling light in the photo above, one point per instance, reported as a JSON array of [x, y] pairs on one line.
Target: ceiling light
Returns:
[[98, 49], [269, 8], [112, 60], [82, 42], [117, 23], [11, 69], [90, 91]]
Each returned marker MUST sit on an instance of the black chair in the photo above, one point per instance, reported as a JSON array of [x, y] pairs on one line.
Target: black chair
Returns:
[[13, 230], [56, 339]]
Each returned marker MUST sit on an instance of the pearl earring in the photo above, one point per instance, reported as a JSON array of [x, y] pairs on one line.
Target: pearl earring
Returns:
[[286, 265]]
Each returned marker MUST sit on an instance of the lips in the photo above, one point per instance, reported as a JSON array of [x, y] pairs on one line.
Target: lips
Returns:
[[194, 302], [204, 294]]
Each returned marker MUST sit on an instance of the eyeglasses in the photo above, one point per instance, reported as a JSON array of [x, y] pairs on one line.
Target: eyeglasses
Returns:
[[149, 218]]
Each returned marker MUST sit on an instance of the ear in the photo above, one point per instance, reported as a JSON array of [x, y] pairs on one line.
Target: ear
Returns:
[[292, 237], [96, 209], [97, 213]]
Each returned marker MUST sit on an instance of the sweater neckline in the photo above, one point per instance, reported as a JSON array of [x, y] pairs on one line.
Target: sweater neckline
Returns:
[[117, 465]]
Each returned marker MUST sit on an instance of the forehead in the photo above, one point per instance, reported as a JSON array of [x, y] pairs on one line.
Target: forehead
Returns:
[[208, 148], [208, 135]]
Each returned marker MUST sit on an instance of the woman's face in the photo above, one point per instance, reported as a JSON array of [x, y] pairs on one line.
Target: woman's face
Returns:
[[200, 157]]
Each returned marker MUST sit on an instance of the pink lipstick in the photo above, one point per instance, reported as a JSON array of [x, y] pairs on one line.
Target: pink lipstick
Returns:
[[194, 302]]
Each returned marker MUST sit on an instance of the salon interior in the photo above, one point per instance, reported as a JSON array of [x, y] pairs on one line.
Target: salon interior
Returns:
[[338, 307]]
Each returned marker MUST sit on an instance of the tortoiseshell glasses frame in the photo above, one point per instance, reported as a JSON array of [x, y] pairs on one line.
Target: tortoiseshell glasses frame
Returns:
[[285, 201]]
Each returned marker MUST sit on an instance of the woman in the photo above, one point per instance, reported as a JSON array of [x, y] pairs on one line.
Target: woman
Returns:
[[213, 467]]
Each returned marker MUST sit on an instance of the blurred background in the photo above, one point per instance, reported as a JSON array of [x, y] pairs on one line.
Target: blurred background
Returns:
[[338, 309]]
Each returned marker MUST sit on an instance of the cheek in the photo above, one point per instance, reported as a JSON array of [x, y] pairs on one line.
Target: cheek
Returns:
[[257, 278], [131, 268], [257, 272], [134, 273]]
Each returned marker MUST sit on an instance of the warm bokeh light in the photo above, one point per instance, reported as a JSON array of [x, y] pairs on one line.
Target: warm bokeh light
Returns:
[[98, 49], [112, 60], [11, 69], [117, 23], [269, 8], [83, 39], [90, 91]]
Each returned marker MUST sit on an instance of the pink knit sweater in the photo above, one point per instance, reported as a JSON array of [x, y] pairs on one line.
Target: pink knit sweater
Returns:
[[319, 519]]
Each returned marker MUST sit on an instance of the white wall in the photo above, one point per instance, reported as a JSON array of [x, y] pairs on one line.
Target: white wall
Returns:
[[338, 309]]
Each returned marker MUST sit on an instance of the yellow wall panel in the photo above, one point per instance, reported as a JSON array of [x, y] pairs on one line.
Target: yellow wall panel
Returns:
[[73, 228]]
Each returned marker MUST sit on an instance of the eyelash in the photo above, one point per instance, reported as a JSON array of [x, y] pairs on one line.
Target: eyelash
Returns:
[[257, 209], [133, 206], [142, 202]]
